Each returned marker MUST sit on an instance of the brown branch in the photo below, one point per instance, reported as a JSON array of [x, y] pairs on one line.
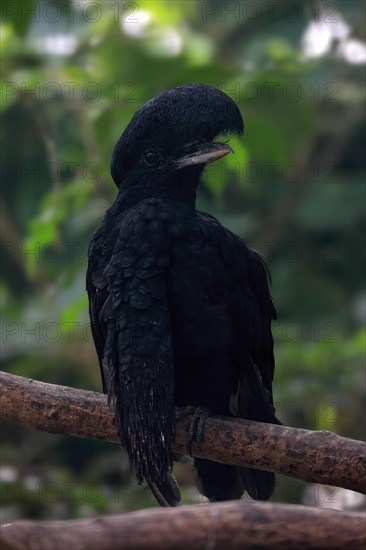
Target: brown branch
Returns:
[[320, 457], [200, 527]]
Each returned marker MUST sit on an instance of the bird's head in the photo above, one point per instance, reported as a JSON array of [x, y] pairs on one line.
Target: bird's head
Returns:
[[168, 142]]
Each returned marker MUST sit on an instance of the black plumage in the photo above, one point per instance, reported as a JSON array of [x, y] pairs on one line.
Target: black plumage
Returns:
[[180, 307]]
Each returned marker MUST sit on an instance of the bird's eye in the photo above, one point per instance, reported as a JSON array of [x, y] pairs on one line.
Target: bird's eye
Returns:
[[152, 158]]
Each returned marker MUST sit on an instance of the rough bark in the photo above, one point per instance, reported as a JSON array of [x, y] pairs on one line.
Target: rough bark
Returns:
[[320, 457], [203, 527]]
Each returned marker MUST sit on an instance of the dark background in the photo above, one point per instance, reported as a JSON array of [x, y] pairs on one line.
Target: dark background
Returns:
[[73, 75]]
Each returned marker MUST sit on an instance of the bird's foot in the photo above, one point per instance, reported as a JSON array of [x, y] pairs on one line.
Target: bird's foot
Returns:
[[196, 424]]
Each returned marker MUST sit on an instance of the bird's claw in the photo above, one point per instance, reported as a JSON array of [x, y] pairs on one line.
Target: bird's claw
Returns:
[[196, 424]]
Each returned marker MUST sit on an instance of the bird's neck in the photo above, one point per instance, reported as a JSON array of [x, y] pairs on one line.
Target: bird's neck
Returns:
[[130, 196], [178, 193]]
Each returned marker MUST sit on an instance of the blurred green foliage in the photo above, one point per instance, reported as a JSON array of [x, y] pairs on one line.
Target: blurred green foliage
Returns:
[[73, 75]]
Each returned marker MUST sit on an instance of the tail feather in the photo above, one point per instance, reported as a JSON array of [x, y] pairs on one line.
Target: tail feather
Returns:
[[218, 481], [223, 482], [258, 484], [166, 492]]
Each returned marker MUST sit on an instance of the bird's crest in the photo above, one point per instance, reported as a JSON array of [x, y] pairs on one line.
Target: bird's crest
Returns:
[[188, 112]]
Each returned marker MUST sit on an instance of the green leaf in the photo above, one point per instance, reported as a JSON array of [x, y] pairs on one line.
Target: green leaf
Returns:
[[265, 141], [76, 310], [19, 13]]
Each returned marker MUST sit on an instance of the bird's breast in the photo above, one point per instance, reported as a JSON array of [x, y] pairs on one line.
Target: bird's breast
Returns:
[[197, 291]]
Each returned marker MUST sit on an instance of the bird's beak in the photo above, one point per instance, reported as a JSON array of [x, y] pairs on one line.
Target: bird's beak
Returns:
[[203, 154]]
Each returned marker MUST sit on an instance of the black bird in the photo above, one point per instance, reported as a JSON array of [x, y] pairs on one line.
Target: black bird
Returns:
[[180, 307]]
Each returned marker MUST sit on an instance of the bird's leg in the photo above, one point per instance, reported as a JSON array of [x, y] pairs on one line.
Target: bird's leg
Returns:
[[196, 429], [196, 424], [183, 412]]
